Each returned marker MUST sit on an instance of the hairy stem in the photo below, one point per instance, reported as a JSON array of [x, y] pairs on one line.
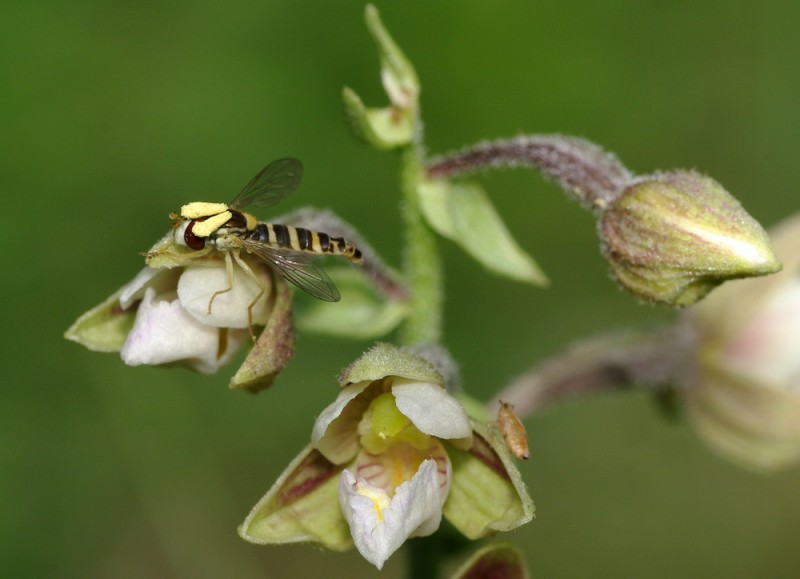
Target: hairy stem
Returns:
[[423, 266], [603, 364], [580, 167]]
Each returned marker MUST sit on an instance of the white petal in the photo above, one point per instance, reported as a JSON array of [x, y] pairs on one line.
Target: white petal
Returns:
[[197, 285], [338, 442], [380, 525], [164, 333], [162, 280], [769, 346], [431, 409]]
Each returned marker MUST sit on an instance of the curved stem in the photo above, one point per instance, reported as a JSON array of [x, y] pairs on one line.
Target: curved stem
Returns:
[[594, 176], [604, 363]]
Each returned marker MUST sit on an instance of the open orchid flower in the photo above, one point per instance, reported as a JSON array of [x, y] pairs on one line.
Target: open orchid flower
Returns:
[[388, 458], [745, 396], [176, 312]]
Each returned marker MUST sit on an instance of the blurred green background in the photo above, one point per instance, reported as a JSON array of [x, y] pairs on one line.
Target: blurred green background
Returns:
[[115, 113]]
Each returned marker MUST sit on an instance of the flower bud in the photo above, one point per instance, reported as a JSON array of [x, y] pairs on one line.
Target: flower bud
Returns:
[[394, 125], [673, 237], [745, 397]]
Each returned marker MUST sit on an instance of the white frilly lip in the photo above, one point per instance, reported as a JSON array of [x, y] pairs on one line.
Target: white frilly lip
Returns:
[[164, 333], [380, 524]]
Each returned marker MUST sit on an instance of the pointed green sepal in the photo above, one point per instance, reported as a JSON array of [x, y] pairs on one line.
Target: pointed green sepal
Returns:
[[487, 493], [398, 75], [302, 506], [361, 314], [463, 213], [498, 561], [384, 360], [105, 327], [394, 125], [274, 347]]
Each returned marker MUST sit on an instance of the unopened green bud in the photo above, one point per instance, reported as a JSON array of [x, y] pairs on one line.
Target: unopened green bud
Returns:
[[394, 125], [673, 237]]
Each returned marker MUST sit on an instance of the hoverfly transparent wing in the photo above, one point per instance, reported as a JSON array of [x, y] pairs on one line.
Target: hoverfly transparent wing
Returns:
[[297, 268], [272, 185]]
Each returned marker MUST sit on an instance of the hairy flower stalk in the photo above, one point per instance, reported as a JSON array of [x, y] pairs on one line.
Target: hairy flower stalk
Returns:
[[579, 166], [670, 237]]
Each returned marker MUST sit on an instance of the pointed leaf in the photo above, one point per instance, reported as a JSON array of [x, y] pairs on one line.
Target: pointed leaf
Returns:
[[463, 213]]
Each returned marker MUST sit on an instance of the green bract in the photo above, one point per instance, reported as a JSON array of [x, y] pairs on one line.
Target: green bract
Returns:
[[463, 213], [361, 314]]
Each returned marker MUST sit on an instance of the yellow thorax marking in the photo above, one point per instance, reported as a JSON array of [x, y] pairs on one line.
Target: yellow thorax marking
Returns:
[[198, 209], [210, 225]]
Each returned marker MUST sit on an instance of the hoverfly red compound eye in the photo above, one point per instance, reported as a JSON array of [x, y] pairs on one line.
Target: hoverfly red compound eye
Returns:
[[192, 240]]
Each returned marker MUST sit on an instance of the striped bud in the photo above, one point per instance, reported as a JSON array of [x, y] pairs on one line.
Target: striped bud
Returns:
[[673, 237]]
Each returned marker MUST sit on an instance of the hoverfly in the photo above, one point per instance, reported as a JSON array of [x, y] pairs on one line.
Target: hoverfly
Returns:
[[205, 227], [513, 430]]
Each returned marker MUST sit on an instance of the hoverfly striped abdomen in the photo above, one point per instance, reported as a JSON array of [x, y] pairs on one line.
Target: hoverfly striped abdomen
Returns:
[[303, 240]]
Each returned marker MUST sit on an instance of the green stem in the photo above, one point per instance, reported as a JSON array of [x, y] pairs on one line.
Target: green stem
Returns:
[[423, 266]]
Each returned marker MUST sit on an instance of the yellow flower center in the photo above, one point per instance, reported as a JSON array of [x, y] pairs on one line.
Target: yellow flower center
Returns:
[[384, 425]]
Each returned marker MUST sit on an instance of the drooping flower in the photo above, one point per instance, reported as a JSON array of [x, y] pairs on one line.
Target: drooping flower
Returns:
[[177, 311], [392, 455], [745, 396]]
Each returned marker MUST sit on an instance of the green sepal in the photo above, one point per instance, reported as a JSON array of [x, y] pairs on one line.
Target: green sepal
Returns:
[[487, 493], [302, 506], [384, 360], [361, 314], [499, 561], [274, 347], [397, 73], [463, 213], [105, 327], [382, 128]]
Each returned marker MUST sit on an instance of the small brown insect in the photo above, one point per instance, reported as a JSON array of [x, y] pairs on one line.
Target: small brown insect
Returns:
[[513, 430]]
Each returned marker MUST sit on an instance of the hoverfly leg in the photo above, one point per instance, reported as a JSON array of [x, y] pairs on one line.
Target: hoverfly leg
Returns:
[[229, 269], [246, 268]]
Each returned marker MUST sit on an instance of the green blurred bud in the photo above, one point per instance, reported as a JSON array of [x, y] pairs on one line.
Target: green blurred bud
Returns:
[[673, 237], [392, 126], [498, 561], [745, 397]]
